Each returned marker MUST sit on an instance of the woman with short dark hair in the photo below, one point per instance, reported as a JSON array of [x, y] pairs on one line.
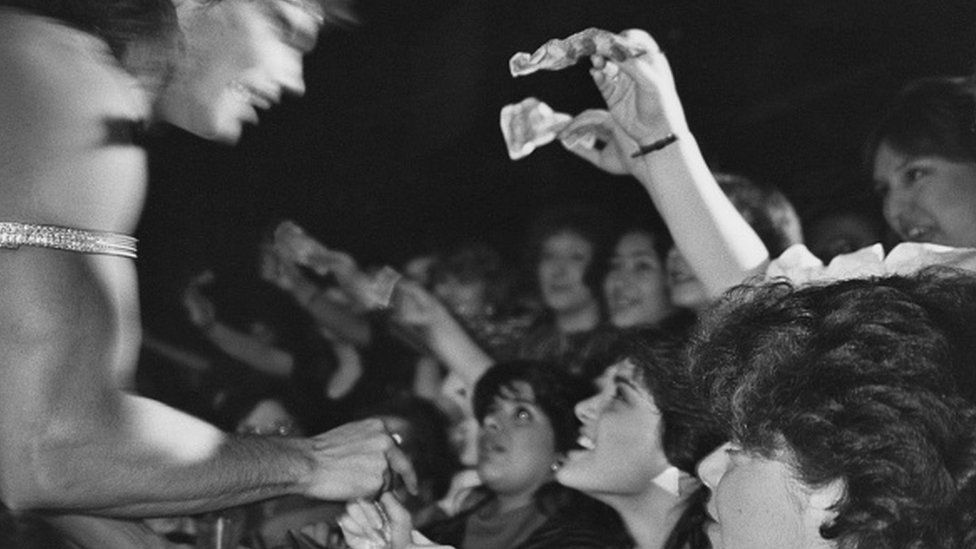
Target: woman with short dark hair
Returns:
[[849, 411]]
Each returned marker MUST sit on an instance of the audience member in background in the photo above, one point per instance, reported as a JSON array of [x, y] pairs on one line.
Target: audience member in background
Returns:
[[764, 208], [567, 251], [470, 281], [843, 229], [474, 282], [263, 338], [922, 157], [635, 287], [643, 434], [924, 138], [527, 426], [849, 413], [337, 317]]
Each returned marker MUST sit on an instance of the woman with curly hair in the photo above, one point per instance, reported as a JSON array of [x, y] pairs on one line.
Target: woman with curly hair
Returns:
[[849, 411]]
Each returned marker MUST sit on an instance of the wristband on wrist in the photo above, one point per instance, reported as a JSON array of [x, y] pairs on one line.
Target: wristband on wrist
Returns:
[[655, 146]]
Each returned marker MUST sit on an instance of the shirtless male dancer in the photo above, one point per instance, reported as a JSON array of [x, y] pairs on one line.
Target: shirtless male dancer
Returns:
[[74, 442]]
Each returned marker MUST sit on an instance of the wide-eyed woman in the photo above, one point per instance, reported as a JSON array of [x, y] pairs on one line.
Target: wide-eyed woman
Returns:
[[525, 409]]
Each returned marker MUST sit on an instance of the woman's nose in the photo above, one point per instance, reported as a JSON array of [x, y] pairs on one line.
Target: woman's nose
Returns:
[[491, 423], [586, 410]]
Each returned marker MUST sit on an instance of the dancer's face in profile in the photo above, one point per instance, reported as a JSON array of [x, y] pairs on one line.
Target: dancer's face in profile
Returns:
[[240, 56]]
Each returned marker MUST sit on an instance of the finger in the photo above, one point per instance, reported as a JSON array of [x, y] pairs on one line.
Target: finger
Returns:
[[400, 464], [639, 38], [363, 512], [400, 521], [579, 148], [357, 533]]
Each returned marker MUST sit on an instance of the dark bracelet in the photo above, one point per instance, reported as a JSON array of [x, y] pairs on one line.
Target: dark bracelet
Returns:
[[655, 146]]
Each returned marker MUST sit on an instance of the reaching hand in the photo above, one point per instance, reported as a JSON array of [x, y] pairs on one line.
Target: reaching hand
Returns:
[[595, 126], [640, 91], [416, 307], [357, 460], [382, 524]]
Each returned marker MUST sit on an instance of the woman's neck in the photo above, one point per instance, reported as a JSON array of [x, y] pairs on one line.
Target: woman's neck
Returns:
[[649, 516], [510, 502], [579, 319]]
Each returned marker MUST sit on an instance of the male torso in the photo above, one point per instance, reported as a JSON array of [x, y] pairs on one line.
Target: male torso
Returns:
[[69, 326]]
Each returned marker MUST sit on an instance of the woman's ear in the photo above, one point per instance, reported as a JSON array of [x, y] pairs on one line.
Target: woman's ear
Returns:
[[823, 501], [825, 497]]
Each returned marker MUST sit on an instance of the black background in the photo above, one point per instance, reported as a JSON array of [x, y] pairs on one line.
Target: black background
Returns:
[[396, 147]]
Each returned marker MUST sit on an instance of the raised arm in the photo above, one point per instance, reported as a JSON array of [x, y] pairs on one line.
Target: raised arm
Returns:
[[443, 334], [644, 108]]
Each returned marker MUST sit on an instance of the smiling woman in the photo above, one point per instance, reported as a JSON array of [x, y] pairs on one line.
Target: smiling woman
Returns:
[[923, 159], [642, 435], [635, 288]]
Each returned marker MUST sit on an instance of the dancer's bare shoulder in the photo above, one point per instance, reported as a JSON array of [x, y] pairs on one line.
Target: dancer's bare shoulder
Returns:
[[67, 112]]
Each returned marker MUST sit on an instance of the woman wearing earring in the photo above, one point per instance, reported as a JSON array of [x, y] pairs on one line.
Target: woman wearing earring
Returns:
[[525, 410], [642, 435]]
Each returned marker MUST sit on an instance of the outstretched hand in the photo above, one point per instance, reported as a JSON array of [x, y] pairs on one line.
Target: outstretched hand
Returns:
[[639, 91], [356, 460], [382, 524], [594, 136], [416, 307]]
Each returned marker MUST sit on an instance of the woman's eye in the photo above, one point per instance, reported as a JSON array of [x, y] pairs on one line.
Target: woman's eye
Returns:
[[523, 415]]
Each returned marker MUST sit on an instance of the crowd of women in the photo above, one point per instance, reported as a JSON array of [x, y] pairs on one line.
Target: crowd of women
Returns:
[[698, 378], [694, 378]]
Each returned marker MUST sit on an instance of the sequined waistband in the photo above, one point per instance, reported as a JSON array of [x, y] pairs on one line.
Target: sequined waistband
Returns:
[[14, 235]]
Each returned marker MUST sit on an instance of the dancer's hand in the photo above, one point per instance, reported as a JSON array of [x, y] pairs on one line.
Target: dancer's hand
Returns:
[[357, 460]]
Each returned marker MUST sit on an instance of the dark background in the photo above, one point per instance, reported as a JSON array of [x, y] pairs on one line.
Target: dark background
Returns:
[[396, 146]]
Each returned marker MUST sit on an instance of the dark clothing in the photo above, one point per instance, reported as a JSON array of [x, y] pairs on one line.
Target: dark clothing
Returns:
[[571, 351], [567, 519]]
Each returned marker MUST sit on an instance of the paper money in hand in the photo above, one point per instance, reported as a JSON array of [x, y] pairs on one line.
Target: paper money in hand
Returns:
[[530, 124], [558, 54]]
